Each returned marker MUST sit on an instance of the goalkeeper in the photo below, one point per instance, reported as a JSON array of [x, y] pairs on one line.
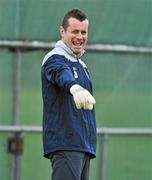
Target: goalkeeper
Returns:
[[69, 125]]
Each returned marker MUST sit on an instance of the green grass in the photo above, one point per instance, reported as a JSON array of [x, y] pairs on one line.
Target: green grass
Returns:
[[124, 109], [127, 158], [4, 158], [34, 166], [5, 107], [31, 108]]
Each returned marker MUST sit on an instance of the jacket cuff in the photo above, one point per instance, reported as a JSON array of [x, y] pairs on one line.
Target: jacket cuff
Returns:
[[69, 86]]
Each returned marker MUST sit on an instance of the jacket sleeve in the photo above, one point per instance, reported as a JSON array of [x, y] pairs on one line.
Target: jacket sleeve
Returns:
[[58, 72]]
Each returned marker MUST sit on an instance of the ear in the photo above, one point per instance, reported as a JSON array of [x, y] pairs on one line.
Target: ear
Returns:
[[62, 31]]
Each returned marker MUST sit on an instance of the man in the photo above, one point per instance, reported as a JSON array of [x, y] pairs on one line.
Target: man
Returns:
[[69, 126]]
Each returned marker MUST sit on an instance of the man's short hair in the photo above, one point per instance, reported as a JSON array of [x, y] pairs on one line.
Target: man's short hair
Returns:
[[75, 13]]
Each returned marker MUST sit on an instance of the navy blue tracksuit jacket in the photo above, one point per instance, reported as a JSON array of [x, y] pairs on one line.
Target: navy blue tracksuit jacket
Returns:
[[64, 126]]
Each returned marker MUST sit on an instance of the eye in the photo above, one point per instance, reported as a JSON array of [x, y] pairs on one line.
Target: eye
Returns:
[[83, 32], [75, 32]]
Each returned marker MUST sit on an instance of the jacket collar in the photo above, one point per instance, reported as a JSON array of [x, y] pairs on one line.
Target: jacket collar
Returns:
[[62, 45]]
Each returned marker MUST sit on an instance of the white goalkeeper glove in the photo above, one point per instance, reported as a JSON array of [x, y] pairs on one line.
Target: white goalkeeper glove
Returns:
[[82, 97]]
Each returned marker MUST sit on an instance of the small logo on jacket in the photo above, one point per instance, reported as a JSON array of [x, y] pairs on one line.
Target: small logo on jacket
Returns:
[[75, 72]]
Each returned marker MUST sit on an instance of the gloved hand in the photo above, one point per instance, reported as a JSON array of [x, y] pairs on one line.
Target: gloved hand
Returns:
[[82, 97]]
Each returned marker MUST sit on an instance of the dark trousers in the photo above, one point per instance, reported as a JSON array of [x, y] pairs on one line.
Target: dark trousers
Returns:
[[70, 165]]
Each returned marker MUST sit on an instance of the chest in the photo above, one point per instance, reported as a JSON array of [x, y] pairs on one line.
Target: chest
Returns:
[[81, 74]]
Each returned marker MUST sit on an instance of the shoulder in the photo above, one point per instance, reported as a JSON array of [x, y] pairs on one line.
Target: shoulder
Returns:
[[56, 53]]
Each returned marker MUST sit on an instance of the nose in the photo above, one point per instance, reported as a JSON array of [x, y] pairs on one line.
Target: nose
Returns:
[[79, 35]]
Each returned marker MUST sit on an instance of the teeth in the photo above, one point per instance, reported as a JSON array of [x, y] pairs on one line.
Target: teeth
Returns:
[[77, 44]]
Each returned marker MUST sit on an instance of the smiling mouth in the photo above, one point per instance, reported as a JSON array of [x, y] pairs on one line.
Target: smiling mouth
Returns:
[[77, 44]]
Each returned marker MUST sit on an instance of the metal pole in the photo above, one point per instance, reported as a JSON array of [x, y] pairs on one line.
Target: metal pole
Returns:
[[42, 45], [102, 170], [16, 88], [16, 148], [16, 159]]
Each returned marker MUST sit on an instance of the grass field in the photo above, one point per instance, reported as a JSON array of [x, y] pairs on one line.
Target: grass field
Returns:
[[127, 158]]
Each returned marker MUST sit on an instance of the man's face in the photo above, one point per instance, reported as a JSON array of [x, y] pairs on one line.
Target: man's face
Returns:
[[75, 36]]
